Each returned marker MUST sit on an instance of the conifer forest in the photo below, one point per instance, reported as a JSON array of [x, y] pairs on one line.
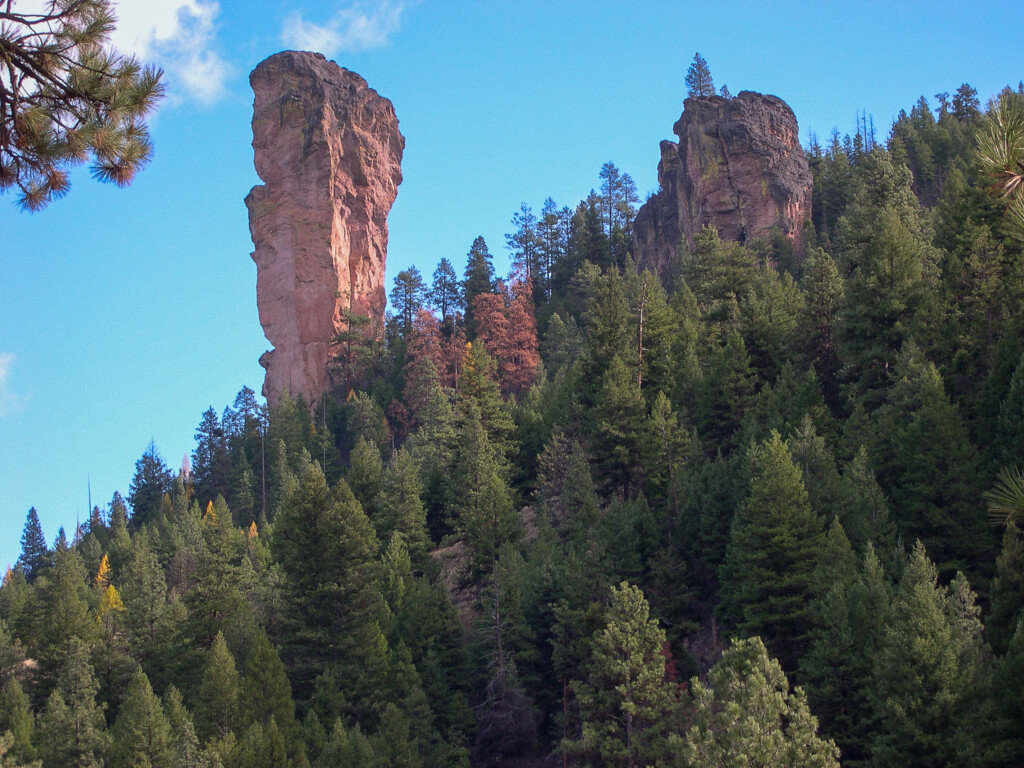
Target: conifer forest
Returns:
[[765, 510]]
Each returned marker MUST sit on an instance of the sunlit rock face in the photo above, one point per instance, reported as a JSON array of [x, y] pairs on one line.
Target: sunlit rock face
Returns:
[[329, 152], [738, 166]]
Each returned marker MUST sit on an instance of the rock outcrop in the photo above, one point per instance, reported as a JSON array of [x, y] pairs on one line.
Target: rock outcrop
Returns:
[[738, 166], [329, 152]]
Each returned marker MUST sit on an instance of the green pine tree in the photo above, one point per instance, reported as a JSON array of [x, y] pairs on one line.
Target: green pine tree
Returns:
[[924, 678], [72, 732], [626, 704], [768, 576], [746, 715], [141, 734]]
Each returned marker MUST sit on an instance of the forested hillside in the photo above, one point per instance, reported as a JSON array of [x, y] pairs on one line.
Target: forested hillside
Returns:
[[769, 510]]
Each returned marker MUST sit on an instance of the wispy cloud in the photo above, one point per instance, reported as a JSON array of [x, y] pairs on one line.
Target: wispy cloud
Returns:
[[181, 37], [9, 401], [357, 26]]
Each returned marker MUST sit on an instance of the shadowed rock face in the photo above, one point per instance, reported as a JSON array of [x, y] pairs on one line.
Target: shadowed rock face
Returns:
[[738, 166], [329, 152]]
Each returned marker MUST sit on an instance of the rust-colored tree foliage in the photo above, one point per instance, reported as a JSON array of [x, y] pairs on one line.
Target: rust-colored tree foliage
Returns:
[[508, 329]]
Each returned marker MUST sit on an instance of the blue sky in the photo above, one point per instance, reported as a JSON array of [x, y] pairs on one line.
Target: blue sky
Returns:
[[125, 313]]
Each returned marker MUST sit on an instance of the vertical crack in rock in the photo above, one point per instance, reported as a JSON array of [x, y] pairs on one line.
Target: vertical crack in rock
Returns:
[[738, 166], [328, 150]]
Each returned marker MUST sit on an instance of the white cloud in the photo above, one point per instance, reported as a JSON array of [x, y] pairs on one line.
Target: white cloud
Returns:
[[357, 26], [8, 400], [180, 36]]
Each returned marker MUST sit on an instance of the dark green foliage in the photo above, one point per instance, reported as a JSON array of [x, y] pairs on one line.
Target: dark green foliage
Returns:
[[692, 438], [617, 429], [890, 266], [838, 669], [71, 730], [926, 674], [699, 84], [151, 481], [711, 496], [407, 297], [783, 732], [63, 616], [481, 500], [445, 293], [216, 699], [929, 467], [211, 467], [823, 292], [725, 394], [265, 696], [768, 575], [1009, 677], [479, 279], [1011, 418], [626, 704], [184, 743], [18, 721], [327, 549], [35, 555], [141, 735], [401, 510], [1007, 590]]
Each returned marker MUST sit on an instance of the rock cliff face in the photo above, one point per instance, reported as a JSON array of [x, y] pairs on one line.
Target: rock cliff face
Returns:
[[738, 166], [329, 152]]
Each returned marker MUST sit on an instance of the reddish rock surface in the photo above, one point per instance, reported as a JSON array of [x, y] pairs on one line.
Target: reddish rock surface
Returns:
[[329, 152], [738, 166]]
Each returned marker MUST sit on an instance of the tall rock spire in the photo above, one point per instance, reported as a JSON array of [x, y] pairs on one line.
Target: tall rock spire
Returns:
[[329, 152]]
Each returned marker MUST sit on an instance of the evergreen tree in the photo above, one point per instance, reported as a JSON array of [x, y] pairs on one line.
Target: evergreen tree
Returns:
[[151, 481], [445, 293], [1007, 590], [823, 291], [327, 550], [69, 96], [885, 246], [141, 734], [524, 246], [479, 278], [1010, 422], [407, 297], [401, 509], [71, 729], [838, 669], [923, 679], [1009, 677], [626, 703], [210, 461], [216, 699], [481, 501], [64, 599], [365, 474], [746, 715], [725, 393], [699, 84], [930, 466], [183, 742], [618, 198], [617, 425], [768, 576], [864, 510], [147, 621], [35, 555], [17, 721]]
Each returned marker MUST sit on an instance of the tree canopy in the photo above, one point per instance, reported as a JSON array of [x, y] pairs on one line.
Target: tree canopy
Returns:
[[67, 98]]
